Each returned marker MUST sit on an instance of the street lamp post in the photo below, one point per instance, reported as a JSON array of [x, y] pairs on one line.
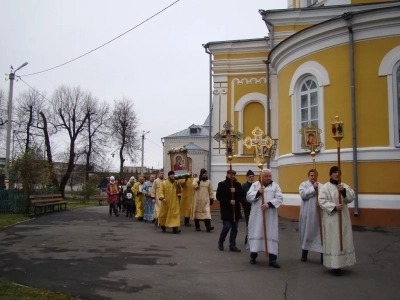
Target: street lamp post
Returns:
[[141, 169], [11, 77]]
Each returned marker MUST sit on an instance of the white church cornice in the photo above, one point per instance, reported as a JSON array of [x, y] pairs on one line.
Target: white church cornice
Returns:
[[383, 23]]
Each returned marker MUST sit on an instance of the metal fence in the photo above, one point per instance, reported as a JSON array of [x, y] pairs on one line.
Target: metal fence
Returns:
[[14, 201]]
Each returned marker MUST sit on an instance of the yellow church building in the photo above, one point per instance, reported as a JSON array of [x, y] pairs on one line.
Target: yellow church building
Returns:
[[320, 58]]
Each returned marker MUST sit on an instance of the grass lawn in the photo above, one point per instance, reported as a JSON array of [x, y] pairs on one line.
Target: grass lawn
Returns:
[[12, 291], [11, 219], [77, 203]]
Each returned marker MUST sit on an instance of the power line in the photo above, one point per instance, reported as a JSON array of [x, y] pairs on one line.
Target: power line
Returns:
[[153, 142], [33, 88], [148, 19]]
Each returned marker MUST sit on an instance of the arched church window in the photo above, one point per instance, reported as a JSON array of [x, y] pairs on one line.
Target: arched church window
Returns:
[[308, 102]]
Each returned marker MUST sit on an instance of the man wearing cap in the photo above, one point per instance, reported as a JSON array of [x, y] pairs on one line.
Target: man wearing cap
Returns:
[[112, 191], [155, 195], [229, 198], [203, 198], [246, 205], [265, 197], [169, 208], [328, 199], [310, 237]]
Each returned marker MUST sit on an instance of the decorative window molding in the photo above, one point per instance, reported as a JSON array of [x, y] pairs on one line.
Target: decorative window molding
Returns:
[[389, 67], [239, 107], [396, 102], [307, 83]]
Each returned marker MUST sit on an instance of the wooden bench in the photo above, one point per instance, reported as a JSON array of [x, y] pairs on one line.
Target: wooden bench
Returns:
[[48, 203], [101, 199]]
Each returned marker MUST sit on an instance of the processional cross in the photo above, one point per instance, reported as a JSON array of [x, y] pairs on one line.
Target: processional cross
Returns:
[[228, 136], [265, 146]]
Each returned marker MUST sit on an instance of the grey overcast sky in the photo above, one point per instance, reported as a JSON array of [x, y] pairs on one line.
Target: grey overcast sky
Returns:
[[161, 65]]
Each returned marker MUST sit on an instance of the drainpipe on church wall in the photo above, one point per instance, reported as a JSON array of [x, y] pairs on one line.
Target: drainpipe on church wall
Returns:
[[347, 17], [210, 111], [267, 84]]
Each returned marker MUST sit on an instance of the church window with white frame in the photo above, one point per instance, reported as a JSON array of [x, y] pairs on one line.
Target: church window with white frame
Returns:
[[309, 102], [396, 94]]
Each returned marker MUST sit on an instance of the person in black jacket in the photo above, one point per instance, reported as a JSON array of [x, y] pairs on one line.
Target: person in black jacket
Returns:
[[227, 207], [246, 204]]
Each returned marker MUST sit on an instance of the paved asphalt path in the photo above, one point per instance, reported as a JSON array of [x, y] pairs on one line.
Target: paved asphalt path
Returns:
[[93, 256]]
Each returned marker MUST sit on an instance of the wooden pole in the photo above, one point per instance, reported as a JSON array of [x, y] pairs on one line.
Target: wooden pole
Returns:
[[340, 199], [264, 218], [233, 194], [316, 194]]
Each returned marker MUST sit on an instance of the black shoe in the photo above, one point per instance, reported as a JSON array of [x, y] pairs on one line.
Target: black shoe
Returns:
[[210, 228], [234, 249], [176, 231], [337, 272], [274, 265], [253, 260], [117, 215], [126, 216], [220, 246], [163, 228], [154, 220], [198, 229], [304, 254], [140, 218], [188, 225]]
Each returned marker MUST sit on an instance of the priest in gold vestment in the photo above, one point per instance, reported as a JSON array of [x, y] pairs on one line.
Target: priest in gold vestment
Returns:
[[187, 200], [139, 198], [169, 209]]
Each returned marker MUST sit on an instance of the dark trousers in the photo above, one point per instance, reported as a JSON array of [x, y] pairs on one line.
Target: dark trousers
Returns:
[[226, 226], [246, 211], [272, 257], [129, 209], [113, 207], [207, 223]]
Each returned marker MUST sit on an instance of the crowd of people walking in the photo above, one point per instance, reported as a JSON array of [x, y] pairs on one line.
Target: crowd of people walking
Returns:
[[164, 201]]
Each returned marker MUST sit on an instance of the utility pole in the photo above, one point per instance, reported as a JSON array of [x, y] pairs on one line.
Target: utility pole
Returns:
[[11, 77], [141, 169], [163, 153]]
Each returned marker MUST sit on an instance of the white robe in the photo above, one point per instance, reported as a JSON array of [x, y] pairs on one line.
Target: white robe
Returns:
[[273, 194], [328, 198], [310, 237]]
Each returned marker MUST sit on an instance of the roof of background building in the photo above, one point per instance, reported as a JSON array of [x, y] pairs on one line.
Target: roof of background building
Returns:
[[192, 146], [202, 132]]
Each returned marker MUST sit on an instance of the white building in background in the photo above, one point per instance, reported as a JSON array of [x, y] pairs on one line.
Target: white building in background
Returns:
[[195, 138]]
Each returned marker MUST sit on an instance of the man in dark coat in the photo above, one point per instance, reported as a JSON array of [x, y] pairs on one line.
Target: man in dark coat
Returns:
[[246, 204], [228, 206]]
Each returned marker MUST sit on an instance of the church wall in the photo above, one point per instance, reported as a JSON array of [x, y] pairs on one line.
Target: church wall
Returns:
[[378, 161]]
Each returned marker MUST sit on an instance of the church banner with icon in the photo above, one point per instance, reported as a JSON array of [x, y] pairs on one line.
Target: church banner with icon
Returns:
[[179, 161]]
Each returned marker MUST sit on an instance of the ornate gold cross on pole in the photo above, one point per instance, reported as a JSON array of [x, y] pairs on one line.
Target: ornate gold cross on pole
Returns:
[[265, 148], [228, 136]]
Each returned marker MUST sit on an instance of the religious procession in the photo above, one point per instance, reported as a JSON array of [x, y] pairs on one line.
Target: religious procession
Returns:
[[324, 221]]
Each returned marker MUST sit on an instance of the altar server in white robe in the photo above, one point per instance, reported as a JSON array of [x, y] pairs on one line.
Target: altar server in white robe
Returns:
[[310, 237], [273, 198], [328, 199]]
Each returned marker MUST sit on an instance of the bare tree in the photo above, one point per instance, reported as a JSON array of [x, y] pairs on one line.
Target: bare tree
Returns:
[[29, 105], [124, 133], [71, 111], [95, 134]]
